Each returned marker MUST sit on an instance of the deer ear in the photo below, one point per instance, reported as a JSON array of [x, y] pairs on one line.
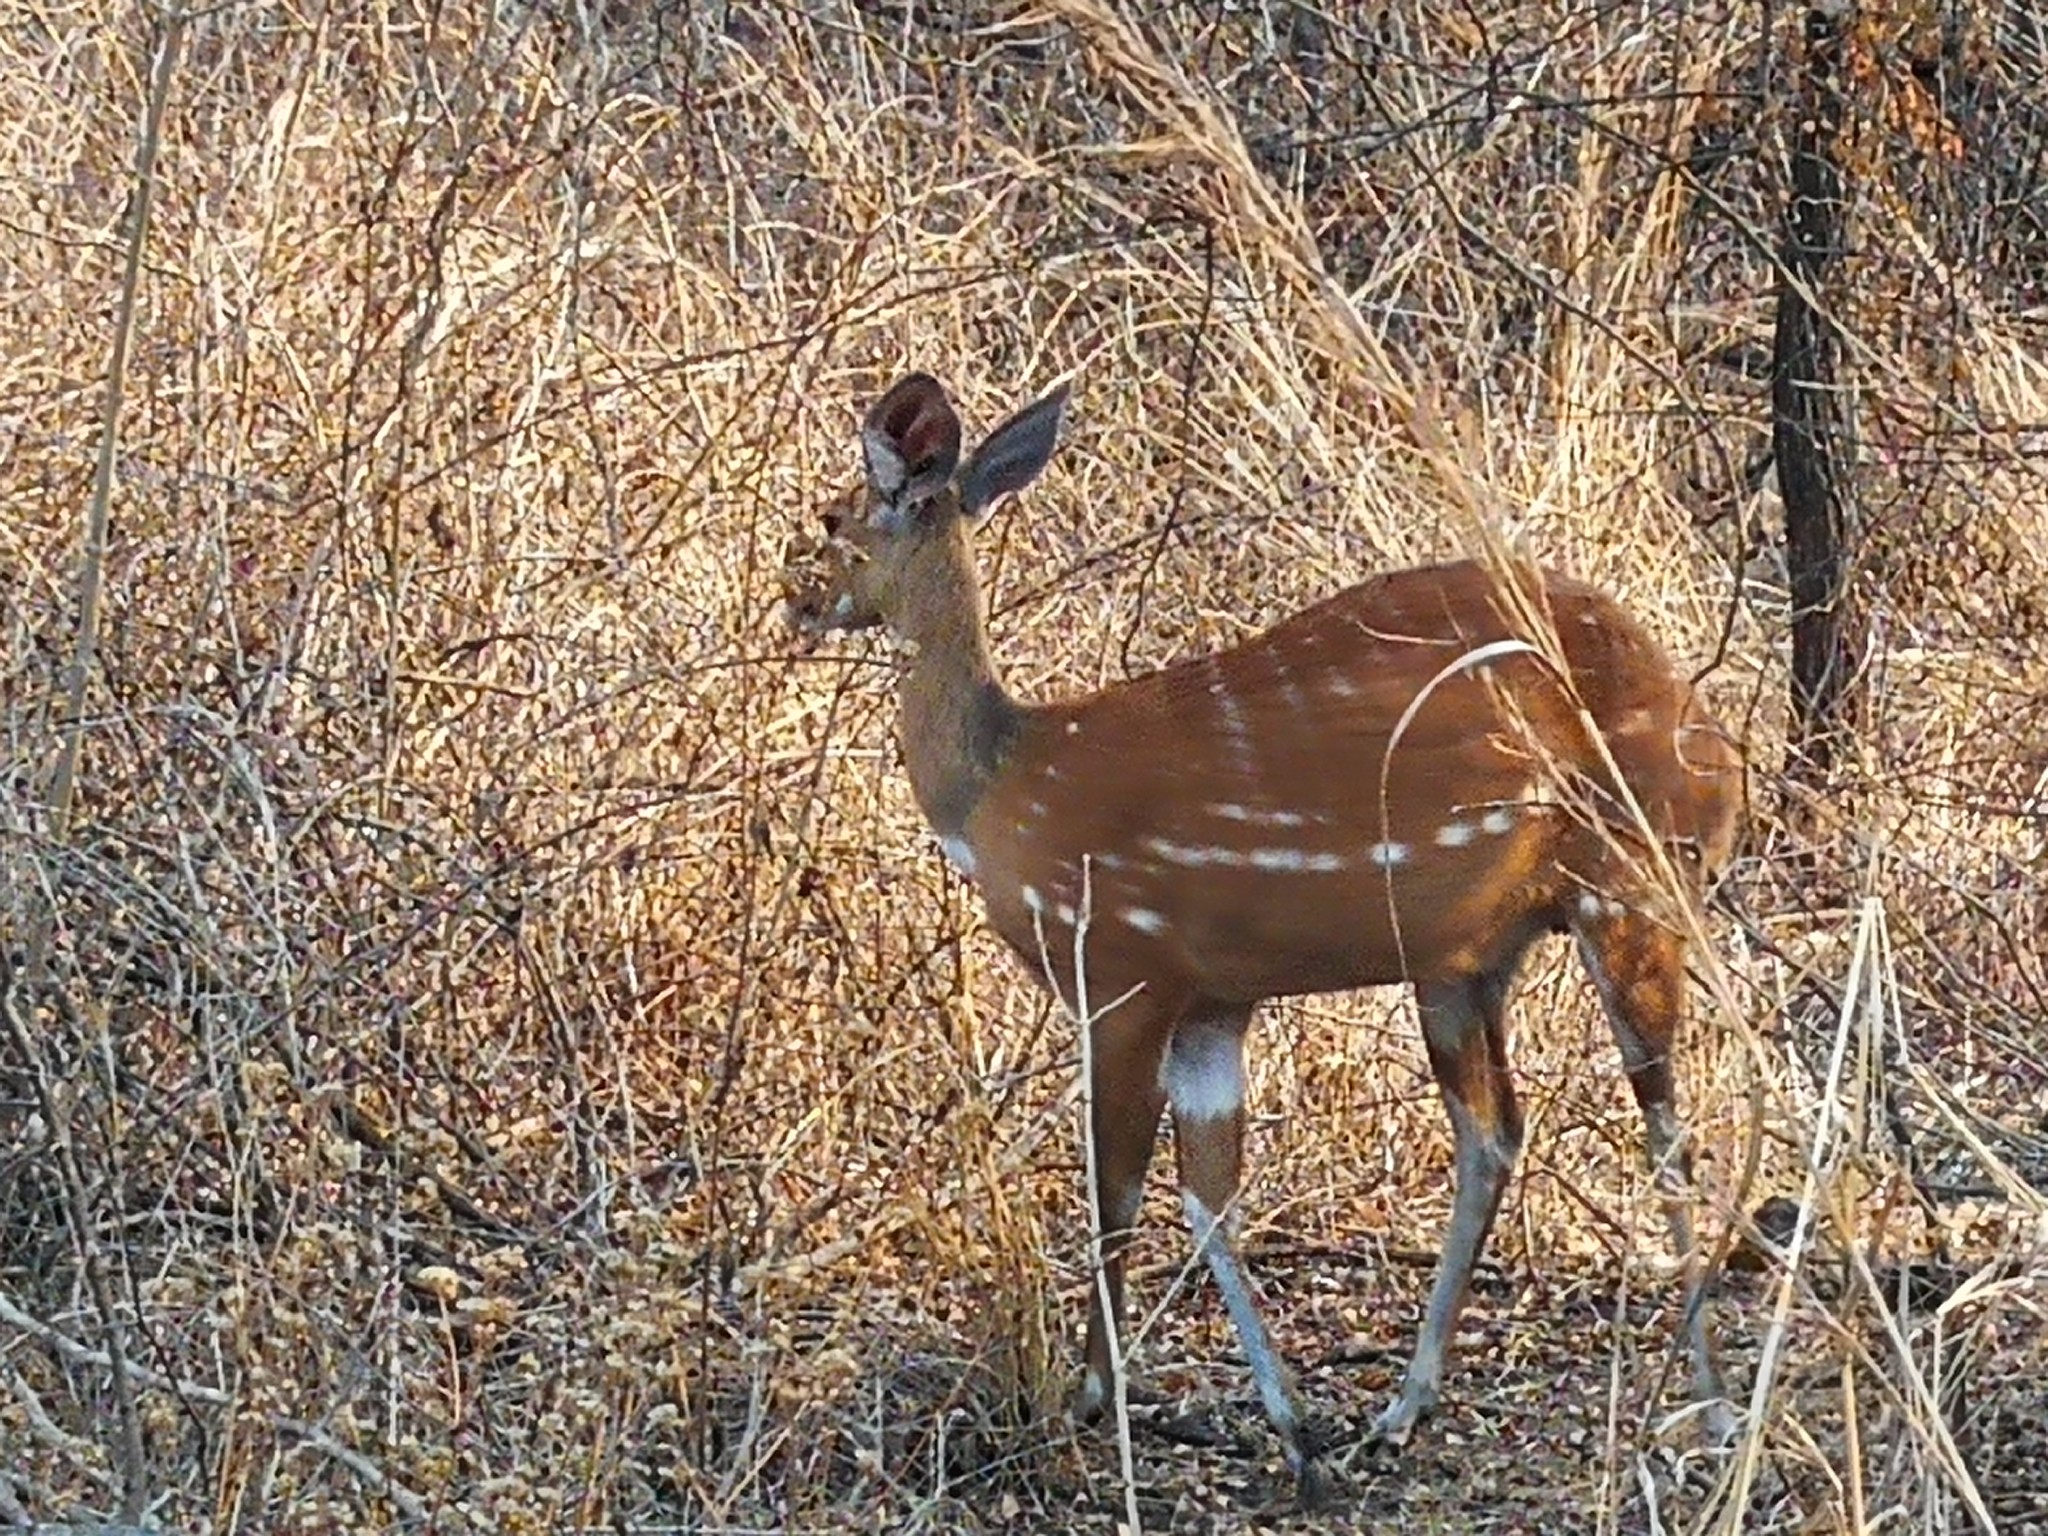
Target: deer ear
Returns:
[[1014, 454], [911, 440]]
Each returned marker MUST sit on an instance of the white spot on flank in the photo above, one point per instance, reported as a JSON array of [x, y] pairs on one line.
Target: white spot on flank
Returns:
[[1295, 860], [1035, 903], [1203, 1074], [1343, 687], [1233, 712], [1144, 919], [1590, 904], [1192, 855], [1277, 860], [1073, 727], [1036, 807], [1235, 726], [1497, 822], [1107, 860], [1387, 855], [1259, 815], [1454, 834], [958, 854]]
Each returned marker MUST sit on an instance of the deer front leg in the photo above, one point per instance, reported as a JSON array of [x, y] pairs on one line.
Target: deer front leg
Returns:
[[1205, 1085], [1125, 1100]]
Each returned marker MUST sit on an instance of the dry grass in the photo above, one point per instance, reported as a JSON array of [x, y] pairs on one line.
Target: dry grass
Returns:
[[489, 1045]]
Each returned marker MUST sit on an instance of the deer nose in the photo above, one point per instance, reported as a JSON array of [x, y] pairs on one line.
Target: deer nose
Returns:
[[832, 521]]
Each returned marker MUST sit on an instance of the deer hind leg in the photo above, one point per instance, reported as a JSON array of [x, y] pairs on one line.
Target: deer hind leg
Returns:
[[1205, 1084], [1125, 1097], [1638, 968], [1464, 1029]]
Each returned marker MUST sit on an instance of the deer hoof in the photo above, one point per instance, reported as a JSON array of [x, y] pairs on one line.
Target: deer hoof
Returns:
[[1396, 1425], [1311, 1487]]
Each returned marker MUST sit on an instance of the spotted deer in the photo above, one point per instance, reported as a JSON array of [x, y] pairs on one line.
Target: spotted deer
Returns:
[[1395, 785]]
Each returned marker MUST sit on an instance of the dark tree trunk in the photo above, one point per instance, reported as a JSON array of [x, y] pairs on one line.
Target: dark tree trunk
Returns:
[[1810, 421]]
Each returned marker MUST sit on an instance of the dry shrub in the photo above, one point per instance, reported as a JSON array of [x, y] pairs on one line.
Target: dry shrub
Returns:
[[488, 1044]]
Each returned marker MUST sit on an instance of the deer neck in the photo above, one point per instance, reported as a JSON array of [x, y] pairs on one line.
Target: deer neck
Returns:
[[958, 720]]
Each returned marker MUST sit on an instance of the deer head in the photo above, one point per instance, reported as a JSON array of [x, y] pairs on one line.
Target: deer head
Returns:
[[889, 538]]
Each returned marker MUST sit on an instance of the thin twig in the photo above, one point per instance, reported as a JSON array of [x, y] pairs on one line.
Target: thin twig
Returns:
[[1112, 1325], [132, 1458]]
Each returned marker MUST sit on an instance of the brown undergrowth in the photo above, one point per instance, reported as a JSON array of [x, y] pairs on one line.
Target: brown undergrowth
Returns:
[[487, 1043]]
